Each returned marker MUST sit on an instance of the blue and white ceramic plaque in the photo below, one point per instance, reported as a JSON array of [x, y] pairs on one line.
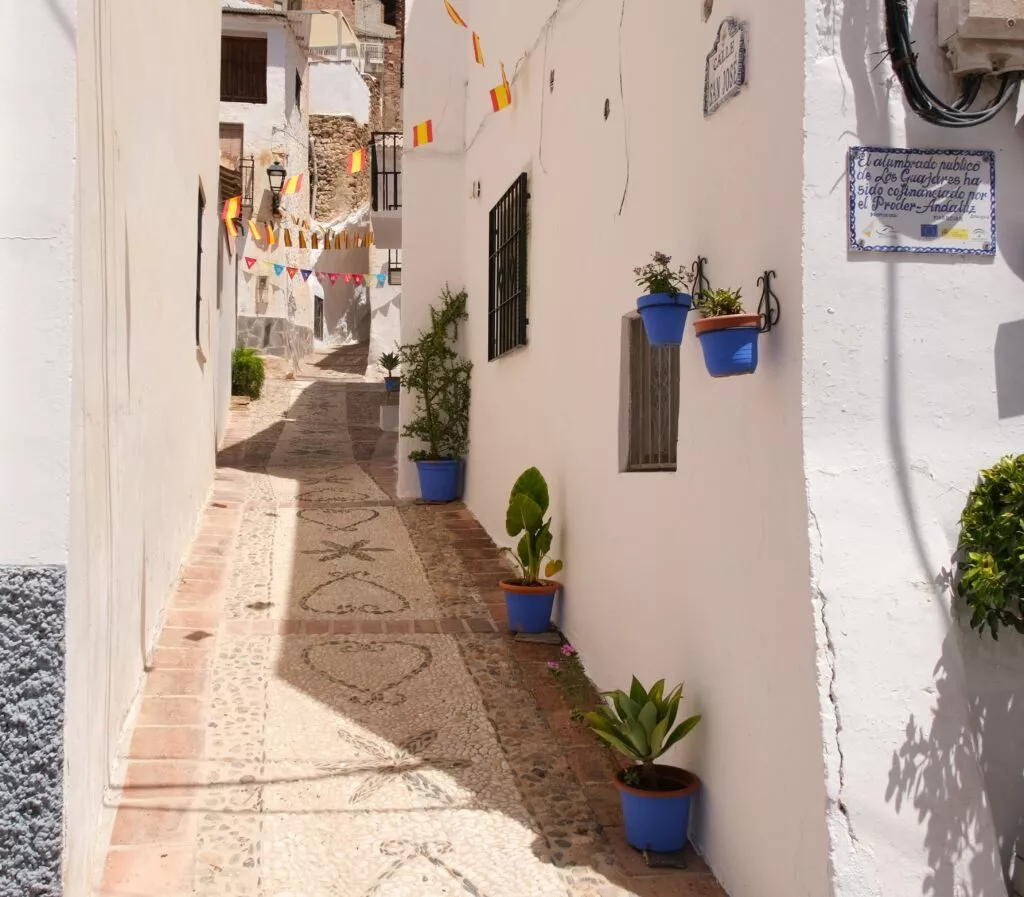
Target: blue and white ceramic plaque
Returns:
[[726, 71], [915, 200]]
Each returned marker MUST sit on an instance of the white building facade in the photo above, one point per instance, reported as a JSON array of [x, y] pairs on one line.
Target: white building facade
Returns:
[[115, 389], [794, 568]]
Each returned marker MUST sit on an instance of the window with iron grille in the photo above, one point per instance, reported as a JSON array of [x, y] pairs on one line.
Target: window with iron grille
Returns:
[[506, 277], [386, 170], [243, 69], [653, 403], [199, 257], [395, 267]]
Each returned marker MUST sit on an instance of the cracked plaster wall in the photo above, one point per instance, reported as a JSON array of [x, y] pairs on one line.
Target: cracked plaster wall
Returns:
[[912, 383]]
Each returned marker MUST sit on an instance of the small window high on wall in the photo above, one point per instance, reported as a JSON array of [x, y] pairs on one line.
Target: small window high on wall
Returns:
[[243, 69], [653, 402]]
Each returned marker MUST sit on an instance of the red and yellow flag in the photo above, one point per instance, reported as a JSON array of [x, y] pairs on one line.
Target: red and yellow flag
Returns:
[[292, 185], [423, 133], [501, 97], [232, 210], [357, 161], [369, 238], [302, 239], [254, 230], [314, 240], [478, 53], [455, 17], [287, 238], [271, 239]]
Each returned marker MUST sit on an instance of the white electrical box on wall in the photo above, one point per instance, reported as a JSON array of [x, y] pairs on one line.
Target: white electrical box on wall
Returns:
[[983, 36]]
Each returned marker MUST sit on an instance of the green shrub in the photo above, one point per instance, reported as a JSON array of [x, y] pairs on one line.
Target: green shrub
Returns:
[[247, 373], [992, 548]]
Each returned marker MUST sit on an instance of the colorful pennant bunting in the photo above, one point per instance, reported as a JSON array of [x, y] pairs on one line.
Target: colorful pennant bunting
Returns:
[[332, 277], [250, 262], [348, 278], [292, 185], [380, 279], [278, 269], [357, 161], [292, 272], [305, 273], [423, 133], [321, 276], [455, 17], [271, 239], [478, 53], [358, 278]]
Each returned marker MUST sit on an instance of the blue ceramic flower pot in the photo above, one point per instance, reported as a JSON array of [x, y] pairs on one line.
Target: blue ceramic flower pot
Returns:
[[529, 607], [664, 317], [659, 820], [439, 480], [392, 384], [729, 344]]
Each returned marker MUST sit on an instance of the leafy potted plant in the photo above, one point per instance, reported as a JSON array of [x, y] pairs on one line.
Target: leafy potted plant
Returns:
[[666, 303], [388, 362], [991, 549], [528, 598], [655, 798], [727, 335], [440, 378]]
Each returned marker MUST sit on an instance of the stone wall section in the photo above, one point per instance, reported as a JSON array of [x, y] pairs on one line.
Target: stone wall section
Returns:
[[275, 336], [338, 192]]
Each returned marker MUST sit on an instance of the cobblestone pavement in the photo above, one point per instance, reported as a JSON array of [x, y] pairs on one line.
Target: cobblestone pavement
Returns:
[[333, 707]]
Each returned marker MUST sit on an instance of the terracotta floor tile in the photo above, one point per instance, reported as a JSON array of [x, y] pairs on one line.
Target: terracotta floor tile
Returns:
[[148, 872], [139, 825], [171, 711], [176, 682], [167, 742]]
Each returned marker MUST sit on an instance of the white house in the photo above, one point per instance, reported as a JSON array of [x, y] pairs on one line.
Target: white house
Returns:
[[788, 553], [264, 115], [115, 388]]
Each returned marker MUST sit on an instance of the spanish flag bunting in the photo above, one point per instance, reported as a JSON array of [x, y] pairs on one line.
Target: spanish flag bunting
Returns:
[[333, 278], [295, 220], [357, 161], [423, 133], [306, 272], [292, 185], [369, 238], [254, 229], [478, 53], [271, 239], [314, 240], [337, 241], [292, 272], [455, 17], [232, 208], [229, 224], [287, 238], [250, 262], [501, 98], [302, 239]]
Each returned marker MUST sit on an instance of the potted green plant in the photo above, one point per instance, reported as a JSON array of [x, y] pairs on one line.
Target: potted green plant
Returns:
[[991, 549], [666, 302], [727, 334], [388, 362], [439, 377], [655, 798], [528, 598]]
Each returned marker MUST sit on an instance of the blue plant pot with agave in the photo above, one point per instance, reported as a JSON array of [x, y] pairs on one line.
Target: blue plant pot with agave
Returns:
[[439, 480], [659, 820], [392, 384], [664, 316], [729, 343]]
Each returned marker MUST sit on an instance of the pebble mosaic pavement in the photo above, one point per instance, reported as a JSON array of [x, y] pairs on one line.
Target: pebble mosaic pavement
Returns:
[[333, 706]]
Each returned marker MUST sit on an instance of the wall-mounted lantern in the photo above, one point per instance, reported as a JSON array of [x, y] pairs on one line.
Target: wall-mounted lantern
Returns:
[[276, 174]]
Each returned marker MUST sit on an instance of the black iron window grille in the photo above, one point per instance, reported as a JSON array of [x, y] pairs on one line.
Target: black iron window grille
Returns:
[[395, 267], [243, 69], [386, 171], [653, 403], [248, 169], [506, 278]]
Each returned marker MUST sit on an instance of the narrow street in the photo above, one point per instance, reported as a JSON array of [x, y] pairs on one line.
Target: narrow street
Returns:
[[334, 708]]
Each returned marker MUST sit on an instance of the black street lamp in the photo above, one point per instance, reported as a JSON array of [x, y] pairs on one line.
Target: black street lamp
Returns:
[[276, 174]]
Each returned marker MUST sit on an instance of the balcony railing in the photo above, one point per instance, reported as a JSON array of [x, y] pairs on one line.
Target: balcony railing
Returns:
[[386, 171]]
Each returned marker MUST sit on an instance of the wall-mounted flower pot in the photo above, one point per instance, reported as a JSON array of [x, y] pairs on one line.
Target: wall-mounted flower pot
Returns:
[[529, 607], [392, 384], [439, 480], [659, 820], [664, 317], [729, 343]]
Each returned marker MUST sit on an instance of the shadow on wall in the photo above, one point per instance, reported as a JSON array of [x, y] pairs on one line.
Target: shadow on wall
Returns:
[[978, 721]]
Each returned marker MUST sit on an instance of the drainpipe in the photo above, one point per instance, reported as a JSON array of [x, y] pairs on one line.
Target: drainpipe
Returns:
[[312, 176]]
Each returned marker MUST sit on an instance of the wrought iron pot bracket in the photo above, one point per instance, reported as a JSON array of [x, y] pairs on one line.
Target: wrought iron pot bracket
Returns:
[[769, 308]]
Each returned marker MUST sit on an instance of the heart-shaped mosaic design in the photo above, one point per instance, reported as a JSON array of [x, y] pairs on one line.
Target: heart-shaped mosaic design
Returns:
[[352, 593], [371, 672], [338, 521]]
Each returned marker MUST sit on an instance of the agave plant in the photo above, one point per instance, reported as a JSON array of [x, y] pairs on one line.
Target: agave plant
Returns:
[[389, 361], [717, 303], [642, 725], [527, 506]]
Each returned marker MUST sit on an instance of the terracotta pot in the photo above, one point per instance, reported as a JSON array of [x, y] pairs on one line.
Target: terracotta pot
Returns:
[[726, 322], [546, 587]]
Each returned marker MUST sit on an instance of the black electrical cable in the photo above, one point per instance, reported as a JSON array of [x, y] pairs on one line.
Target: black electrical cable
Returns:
[[921, 99]]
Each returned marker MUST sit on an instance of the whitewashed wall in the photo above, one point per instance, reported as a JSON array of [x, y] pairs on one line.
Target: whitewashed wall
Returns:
[[914, 381], [145, 397], [700, 575], [277, 128], [337, 88]]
